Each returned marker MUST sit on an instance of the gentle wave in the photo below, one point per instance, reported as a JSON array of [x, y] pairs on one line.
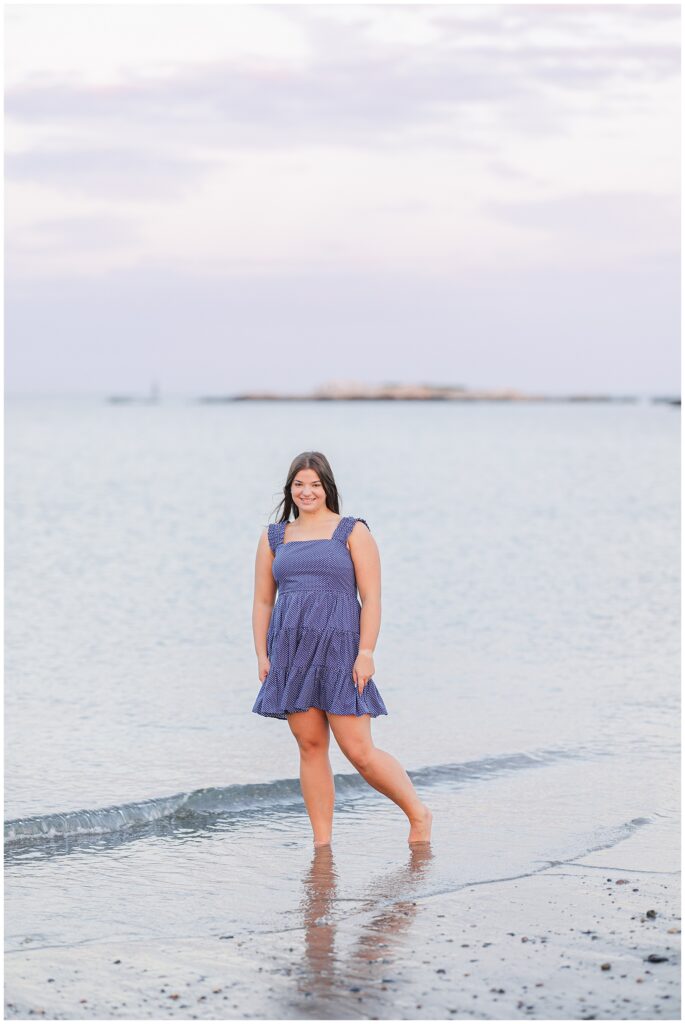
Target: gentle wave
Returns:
[[254, 797]]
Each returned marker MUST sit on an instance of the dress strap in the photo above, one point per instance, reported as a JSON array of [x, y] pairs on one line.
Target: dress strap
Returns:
[[276, 533], [345, 527]]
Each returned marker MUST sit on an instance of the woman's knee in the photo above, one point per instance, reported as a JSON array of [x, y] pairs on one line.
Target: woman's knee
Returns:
[[359, 754], [312, 746]]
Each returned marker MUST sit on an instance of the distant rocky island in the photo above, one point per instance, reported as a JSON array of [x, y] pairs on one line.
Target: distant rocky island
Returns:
[[337, 391], [355, 391]]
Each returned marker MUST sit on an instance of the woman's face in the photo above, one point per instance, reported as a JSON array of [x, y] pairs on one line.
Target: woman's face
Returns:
[[307, 491]]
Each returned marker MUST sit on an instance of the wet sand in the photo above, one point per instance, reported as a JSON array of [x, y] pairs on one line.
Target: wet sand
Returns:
[[571, 941]]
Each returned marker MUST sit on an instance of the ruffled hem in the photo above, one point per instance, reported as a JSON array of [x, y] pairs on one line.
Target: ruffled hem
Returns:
[[283, 693]]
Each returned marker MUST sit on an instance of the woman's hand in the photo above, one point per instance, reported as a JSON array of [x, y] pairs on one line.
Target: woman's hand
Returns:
[[263, 666], [362, 671]]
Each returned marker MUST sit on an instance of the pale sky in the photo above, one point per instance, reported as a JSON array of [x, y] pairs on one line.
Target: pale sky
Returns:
[[230, 197]]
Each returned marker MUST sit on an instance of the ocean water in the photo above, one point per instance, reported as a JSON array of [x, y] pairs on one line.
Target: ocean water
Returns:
[[528, 655]]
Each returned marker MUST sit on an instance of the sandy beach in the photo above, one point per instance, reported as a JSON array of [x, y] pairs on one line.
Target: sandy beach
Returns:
[[571, 941]]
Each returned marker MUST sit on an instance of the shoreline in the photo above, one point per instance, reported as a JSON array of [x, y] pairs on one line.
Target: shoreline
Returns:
[[529, 947]]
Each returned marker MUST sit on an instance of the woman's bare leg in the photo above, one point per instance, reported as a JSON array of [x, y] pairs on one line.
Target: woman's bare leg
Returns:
[[382, 771], [310, 729]]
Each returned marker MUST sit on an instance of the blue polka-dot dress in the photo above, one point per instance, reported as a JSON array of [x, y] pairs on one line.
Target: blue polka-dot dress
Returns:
[[313, 638]]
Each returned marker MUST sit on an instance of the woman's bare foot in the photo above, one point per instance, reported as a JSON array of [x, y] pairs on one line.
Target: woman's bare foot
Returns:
[[420, 831]]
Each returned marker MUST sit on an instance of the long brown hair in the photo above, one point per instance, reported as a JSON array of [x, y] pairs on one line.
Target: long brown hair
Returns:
[[318, 462]]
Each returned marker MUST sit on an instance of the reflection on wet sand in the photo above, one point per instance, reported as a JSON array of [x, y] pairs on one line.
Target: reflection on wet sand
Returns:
[[324, 974]]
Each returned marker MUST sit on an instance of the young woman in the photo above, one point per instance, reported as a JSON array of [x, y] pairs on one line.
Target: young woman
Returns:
[[315, 643]]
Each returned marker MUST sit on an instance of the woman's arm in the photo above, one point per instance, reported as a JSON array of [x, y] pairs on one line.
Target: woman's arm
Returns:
[[264, 594], [367, 569]]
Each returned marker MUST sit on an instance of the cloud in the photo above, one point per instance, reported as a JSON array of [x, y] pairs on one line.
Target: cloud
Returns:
[[592, 21], [79, 233], [119, 173], [621, 221], [357, 90]]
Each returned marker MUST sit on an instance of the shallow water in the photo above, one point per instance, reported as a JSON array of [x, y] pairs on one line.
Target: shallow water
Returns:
[[528, 655]]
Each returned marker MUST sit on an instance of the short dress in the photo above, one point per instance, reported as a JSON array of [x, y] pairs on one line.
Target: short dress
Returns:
[[313, 638]]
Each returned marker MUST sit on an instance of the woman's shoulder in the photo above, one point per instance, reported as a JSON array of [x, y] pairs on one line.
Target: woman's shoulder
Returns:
[[274, 534]]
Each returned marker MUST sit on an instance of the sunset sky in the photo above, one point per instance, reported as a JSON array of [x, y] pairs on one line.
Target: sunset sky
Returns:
[[228, 197]]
